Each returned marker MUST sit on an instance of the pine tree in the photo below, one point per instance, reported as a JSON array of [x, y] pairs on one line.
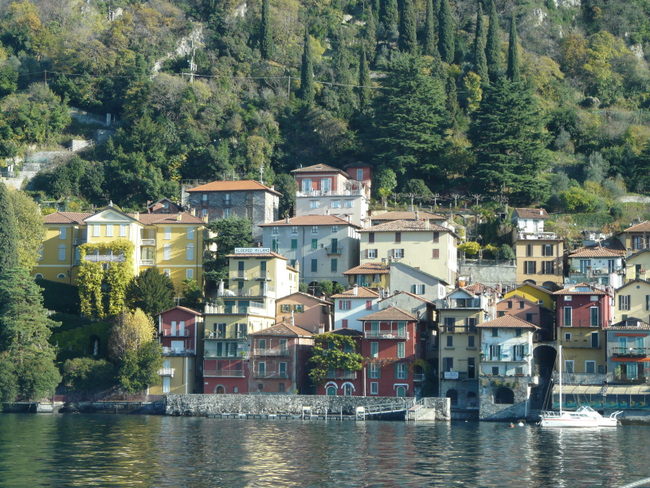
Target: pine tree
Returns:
[[452, 98], [370, 34], [266, 36], [492, 46], [408, 41], [513, 53], [306, 92], [446, 33], [389, 17], [509, 144], [8, 231], [430, 46], [479, 59], [364, 82]]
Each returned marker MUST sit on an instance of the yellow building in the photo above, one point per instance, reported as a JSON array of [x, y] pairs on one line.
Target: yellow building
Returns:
[[636, 237], [533, 293], [637, 266], [632, 301], [417, 243], [169, 242], [370, 275], [539, 259]]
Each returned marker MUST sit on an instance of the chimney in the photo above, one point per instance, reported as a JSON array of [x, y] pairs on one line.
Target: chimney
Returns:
[[286, 219], [541, 212], [136, 216], [193, 212], [355, 290]]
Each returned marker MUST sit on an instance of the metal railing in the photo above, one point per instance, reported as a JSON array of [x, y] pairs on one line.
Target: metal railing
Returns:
[[418, 376], [166, 372], [178, 333], [580, 378], [226, 373], [385, 334], [271, 351], [147, 242], [270, 374], [330, 193], [170, 351], [334, 250], [147, 262], [629, 351]]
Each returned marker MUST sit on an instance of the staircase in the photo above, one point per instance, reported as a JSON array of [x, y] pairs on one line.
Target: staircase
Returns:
[[419, 411]]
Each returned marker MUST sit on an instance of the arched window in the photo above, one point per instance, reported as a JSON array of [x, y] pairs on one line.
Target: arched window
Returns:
[[400, 391], [61, 276], [330, 390], [453, 396], [471, 399], [348, 389], [220, 390], [39, 276], [504, 395]]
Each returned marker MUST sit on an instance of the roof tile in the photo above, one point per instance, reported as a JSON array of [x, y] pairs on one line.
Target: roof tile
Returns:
[[390, 313], [507, 322], [239, 185]]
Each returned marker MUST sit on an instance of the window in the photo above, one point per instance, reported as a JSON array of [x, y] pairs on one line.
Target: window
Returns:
[[417, 289], [471, 341], [595, 343], [401, 371], [62, 233], [529, 317], [347, 203], [374, 388], [261, 344], [345, 304], [471, 367], [647, 302], [567, 336], [547, 250], [359, 174], [548, 267], [371, 237], [275, 231], [398, 253], [281, 388], [374, 370], [226, 199], [594, 317], [450, 341], [168, 233], [261, 369], [294, 229], [529, 250], [283, 344], [204, 212], [624, 302], [398, 237], [314, 244], [495, 371], [470, 324], [518, 352], [282, 370], [167, 272], [344, 324], [336, 203], [62, 252], [326, 185], [334, 229], [495, 352], [189, 274], [96, 230], [522, 304], [314, 229], [517, 332], [401, 349], [204, 197], [334, 265], [294, 243], [60, 276], [299, 308], [167, 252], [568, 298], [590, 367], [123, 230], [436, 236], [568, 316], [314, 265], [530, 267], [509, 303], [371, 253], [450, 323], [314, 204], [189, 252], [109, 230], [190, 233], [435, 254], [447, 364], [374, 349], [495, 332], [368, 304], [306, 185], [568, 366]]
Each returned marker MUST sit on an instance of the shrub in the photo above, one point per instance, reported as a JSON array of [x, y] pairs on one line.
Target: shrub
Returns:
[[87, 374]]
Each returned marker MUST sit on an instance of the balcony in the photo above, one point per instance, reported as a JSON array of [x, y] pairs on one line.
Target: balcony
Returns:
[[263, 276], [279, 351], [461, 303], [629, 352], [459, 329], [105, 258], [537, 236], [166, 372], [147, 242], [333, 250], [177, 333], [229, 335], [330, 193], [225, 373], [456, 375], [580, 378], [223, 310], [240, 275], [418, 377], [622, 379], [170, 351], [147, 262], [385, 334], [342, 375], [270, 374]]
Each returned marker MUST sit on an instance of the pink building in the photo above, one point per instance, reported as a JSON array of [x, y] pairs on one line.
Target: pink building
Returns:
[[306, 311]]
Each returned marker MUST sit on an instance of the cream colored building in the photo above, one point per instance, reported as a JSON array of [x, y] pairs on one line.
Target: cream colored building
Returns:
[[425, 246], [632, 301], [637, 266], [539, 258]]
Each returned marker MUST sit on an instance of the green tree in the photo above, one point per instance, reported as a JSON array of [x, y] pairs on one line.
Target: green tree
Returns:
[[641, 170], [389, 17], [479, 60], [430, 44], [266, 33], [29, 229], [192, 295], [447, 32], [333, 352], [385, 183], [286, 185], [493, 44], [151, 291], [364, 90], [370, 34], [131, 330], [230, 233], [513, 72], [408, 41], [88, 374], [508, 138], [417, 186], [139, 368], [8, 231], [307, 89]]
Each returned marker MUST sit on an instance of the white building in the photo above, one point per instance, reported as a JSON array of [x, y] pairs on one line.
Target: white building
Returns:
[[596, 265], [353, 304], [529, 220], [403, 277], [507, 346]]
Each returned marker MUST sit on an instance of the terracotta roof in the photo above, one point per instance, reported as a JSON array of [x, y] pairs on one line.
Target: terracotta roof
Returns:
[[596, 252], [573, 290], [519, 299], [319, 168], [406, 226], [184, 309], [537, 287], [645, 282], [479, 288], [66, 217], [406, 215], [368, 268], [283, 329], [160, 218], [636, 254], [309, 220], [390, 313], [531, 213], [631, 324], [641, 227], [306, 295], [240, 185], [507, 322], [362, 292], [257, 255], [347, 332], [413, 295]]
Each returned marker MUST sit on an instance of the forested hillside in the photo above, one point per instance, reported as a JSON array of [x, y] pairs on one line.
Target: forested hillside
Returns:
[[534, 101]]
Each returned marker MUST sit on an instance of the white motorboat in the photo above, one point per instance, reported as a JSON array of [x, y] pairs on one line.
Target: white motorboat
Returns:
[[584, 416]]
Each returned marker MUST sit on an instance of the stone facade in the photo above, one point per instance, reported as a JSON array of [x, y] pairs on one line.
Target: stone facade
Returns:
[[490, 273], [491, 391]]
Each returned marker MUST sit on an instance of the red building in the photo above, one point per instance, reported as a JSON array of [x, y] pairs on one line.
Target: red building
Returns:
[[529, 311], [388, 343], [583, 305]]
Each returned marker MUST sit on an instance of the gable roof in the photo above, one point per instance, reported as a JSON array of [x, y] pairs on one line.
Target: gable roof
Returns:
[[66, 217], [479, 288], [362, 292], [408, 293], [407, 226], [573, 290], [283, 329], [390, 313], [305, 295], [411, 269], [184, 309], [269, 254], [635, 255], [596, 252], [168, 219], [645, 282], [641, 227], [536, 287], [310, 220], [319, 168], [239, 185], [631, 324], [144, 218], [520, 299], [368, 268], [406, 215], [531, 213], [507, 322]]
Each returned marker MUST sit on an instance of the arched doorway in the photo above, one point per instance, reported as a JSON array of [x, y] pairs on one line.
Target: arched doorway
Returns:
[[472, 401], [400, 391], [504, 395], [348, 389], [220, 390], [453, 397], [544, 358], [330, 390]]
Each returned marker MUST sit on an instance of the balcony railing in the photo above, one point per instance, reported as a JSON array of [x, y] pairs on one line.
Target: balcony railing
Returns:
[[229, 335], [170, 351], [456, 375], [147, 262], [263, 275], [270, 374], [241, 275], [418, 377], [580, 378], [323, 193], [333, 251], [221, 309], [461, 303], [105, 258], [629, 351], [226, 373], [385, 334], [177, 333], [166, 372], [147, 242], [537, 236], [342, 375], [279, 351]]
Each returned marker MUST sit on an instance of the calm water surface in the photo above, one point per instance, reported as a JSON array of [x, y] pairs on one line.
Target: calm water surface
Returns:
[[103, 450]]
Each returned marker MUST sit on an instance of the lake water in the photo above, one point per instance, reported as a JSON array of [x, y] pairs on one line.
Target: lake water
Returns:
[[107, 451]]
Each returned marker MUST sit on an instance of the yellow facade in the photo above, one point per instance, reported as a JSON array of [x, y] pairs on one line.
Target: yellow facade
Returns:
[[539, 261], [580, 346], [177, 376], [264, 275], [534, 294], [637, 266], [460, 349], [171, 243], [632, 300]]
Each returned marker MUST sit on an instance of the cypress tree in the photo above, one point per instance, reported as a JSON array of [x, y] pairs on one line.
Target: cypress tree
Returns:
[[306, 92], [266, 37], [480, 61], [492, 46], [389, 19], [408, 41], [370, 34], [430, 47], [513, 53], [452, 98], [364, 82], [447, 32], [8, 232]]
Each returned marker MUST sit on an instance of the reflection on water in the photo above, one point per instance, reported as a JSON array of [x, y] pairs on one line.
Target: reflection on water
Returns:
[[98, 450]]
